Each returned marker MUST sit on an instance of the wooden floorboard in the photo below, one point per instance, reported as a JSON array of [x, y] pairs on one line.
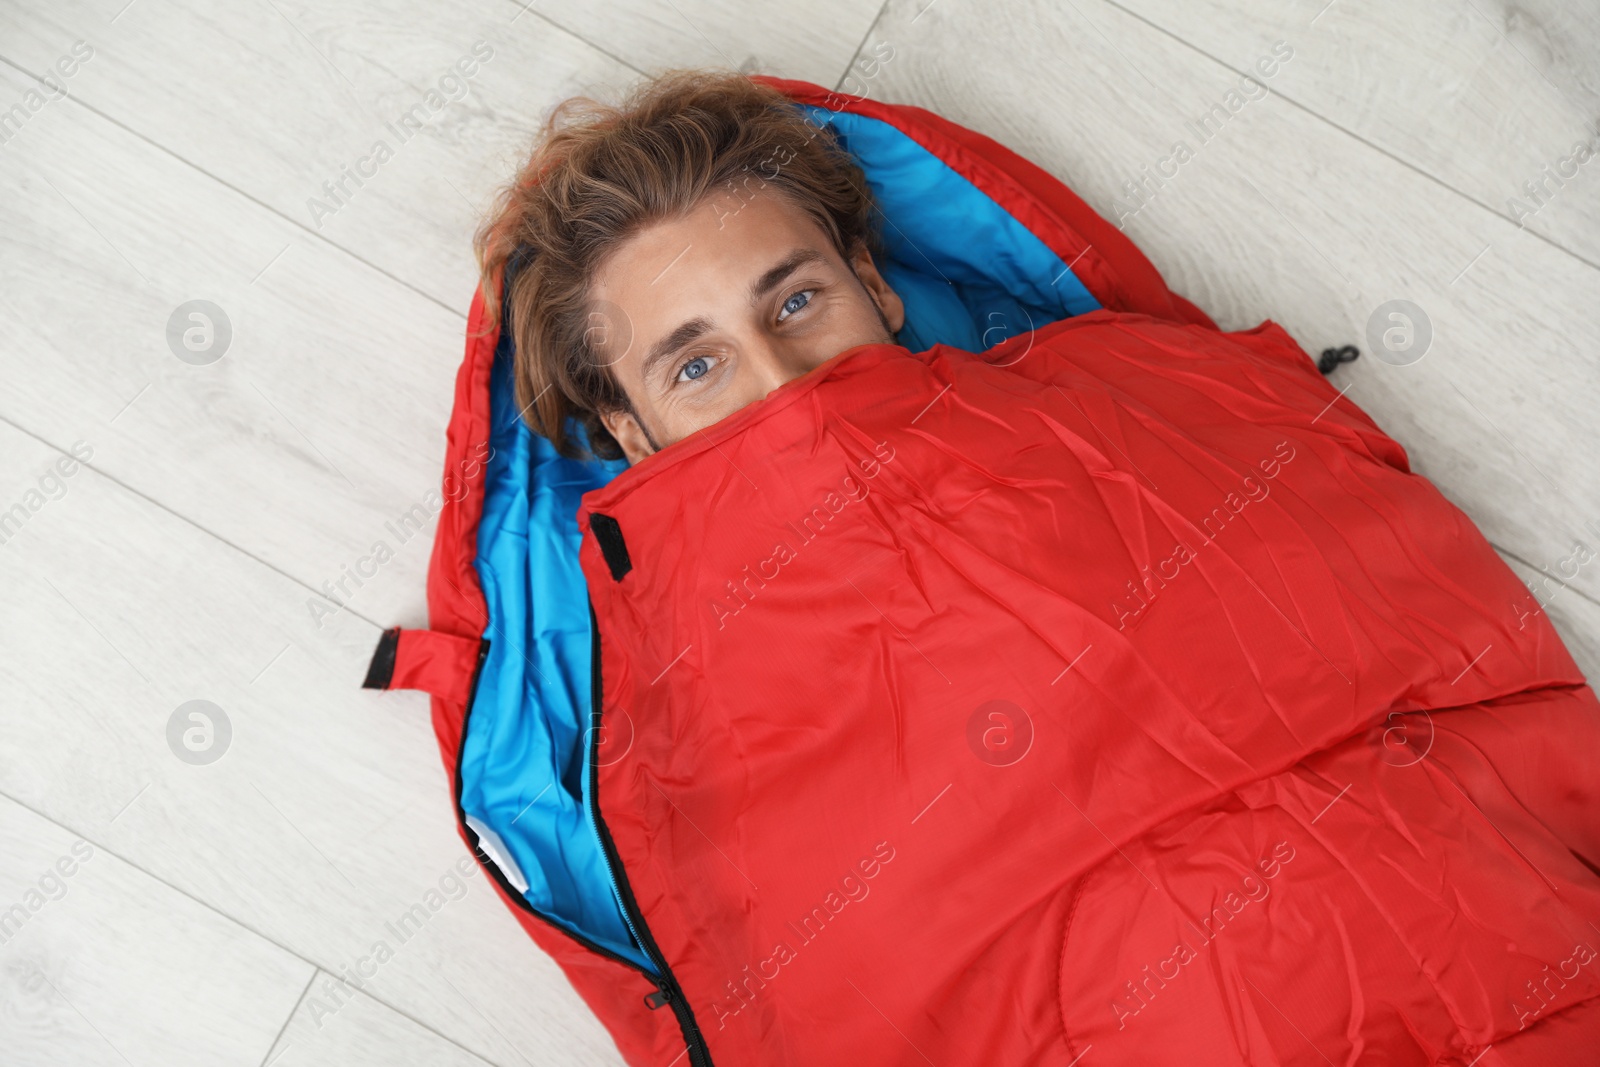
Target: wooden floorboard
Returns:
[[336, 1026], [1485, 97], [321, 422], [101, 964], [326, 817]]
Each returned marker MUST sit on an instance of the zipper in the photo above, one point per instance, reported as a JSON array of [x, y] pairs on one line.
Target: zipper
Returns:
[[667, 989]]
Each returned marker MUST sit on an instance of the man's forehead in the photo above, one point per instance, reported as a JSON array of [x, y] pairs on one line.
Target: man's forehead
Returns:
[[673, 276], [673, 254]]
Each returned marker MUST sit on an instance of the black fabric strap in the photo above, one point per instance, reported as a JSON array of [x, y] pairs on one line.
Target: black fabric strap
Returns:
[[381, 671], [615, 550]]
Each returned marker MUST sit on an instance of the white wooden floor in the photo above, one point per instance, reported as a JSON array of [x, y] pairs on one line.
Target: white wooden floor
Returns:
[[207, 905]]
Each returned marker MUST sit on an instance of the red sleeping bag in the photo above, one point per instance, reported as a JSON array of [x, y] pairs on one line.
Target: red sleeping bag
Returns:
[[1120, 688], [1115, 696]]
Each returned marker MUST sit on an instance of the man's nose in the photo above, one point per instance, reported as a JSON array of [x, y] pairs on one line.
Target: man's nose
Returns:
[[772, 366]]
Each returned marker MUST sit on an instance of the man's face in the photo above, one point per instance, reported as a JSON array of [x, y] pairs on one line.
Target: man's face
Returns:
[[705, 314]]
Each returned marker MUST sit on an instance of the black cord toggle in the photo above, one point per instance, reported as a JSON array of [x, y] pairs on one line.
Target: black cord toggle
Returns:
[[1332, 357]]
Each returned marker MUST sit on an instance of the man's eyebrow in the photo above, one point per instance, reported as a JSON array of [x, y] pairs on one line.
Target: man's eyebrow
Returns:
[[787, 266], [693, 328], [669, 344]]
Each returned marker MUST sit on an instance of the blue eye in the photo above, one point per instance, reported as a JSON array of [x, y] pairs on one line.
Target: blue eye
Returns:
[[790, 307], [688, 368]]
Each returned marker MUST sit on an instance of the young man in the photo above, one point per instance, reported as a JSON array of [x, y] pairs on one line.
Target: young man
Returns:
[[1295, 778], [698, 247]]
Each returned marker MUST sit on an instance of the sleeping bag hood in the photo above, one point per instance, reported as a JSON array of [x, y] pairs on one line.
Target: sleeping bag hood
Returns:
[[1069, 679]]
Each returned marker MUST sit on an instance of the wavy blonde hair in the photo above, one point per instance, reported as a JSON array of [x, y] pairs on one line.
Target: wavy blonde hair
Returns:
[[600, 173]]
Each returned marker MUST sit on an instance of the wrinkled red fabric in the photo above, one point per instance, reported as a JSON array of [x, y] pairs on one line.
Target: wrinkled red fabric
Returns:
[[1118, 696]]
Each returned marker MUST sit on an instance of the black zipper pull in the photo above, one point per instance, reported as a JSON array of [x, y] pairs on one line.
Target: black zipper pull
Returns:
[[657, 999]]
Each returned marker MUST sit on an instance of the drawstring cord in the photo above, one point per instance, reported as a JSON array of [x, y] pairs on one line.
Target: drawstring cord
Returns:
[[1332, 357]]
